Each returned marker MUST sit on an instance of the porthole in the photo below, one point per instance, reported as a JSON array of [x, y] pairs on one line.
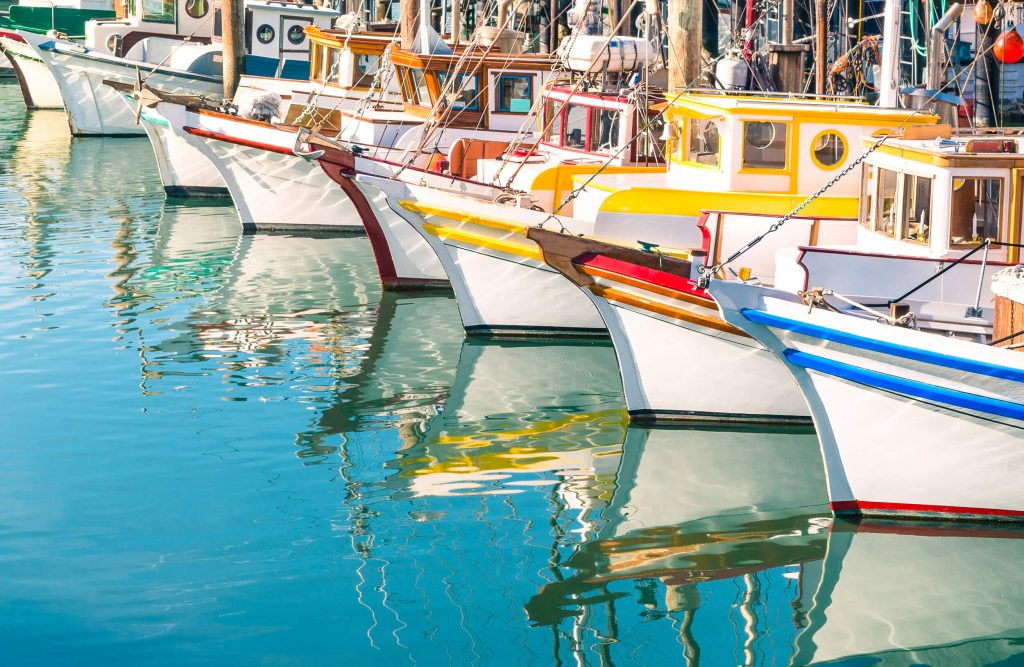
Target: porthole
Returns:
[[265, 33], [828, 150], [197, 9], [296, 34]]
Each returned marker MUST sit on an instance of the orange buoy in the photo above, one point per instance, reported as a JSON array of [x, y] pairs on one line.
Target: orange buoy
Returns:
[[1009, 47]]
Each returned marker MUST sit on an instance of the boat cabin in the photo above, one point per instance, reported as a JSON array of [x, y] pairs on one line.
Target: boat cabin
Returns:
[[933, 193], [346, 61], [593, 127], [738, 142], [490, 91], [275, 38]]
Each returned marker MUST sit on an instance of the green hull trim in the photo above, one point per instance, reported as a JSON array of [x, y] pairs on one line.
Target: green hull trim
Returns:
[[39, 20]]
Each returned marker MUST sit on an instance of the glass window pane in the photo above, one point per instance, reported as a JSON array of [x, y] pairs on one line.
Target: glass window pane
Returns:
[[463, 93], [917, 207], [419, 87], [604, 135], [158, 10], [885, 218], [975, 210], [867, 208], [764, 145], [576, 127], [650, 147], [829, 149], [364, 67], [515, 93], [554, 133], [702, 142]]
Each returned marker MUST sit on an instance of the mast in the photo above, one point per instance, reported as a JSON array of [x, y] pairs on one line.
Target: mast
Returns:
[[684, 40], [408, 20], [233, 17], [889, 78]]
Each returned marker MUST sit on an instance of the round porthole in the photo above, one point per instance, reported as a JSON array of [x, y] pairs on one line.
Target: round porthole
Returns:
[[828, 150], [197, 9], [296, 34], [265, 33]]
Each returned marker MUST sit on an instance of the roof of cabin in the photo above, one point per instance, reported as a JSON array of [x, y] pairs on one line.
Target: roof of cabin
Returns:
[[714, 103], [937, 145]]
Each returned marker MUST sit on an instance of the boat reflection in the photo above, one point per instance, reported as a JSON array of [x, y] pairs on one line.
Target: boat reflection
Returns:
[[715, 531], [918, 594], [521, 415]]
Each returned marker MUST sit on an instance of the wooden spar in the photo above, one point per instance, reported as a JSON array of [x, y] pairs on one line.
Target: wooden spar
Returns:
[[409, 19], [684, 39], [233, 22], [820, 46]]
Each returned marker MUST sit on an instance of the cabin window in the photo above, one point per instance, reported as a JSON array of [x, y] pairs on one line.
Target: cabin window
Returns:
[[420, 92], [764, 144], [867, 197], [515, 93], [296, 34], [265, 33], [159, 11], [917, 208], [553, 122], [403, 81], [461, 94], [828, 150], [650, 147], [575, 127], [975, 210], [364, 68], [885, 211], [604, 130], [197, 9], [330, 66], [702, 142]]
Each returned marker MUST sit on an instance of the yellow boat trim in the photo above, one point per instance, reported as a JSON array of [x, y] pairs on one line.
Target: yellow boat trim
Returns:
[[711, 322], [458, 216], [663, 201], [528, 250]]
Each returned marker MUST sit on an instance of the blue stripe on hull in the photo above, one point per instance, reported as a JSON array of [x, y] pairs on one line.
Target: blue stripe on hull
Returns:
[[921, 390], [874, 345]]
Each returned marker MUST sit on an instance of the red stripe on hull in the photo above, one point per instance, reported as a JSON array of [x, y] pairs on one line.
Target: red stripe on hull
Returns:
[[217, 136], [868, 507], [13, 36], [652, 276]]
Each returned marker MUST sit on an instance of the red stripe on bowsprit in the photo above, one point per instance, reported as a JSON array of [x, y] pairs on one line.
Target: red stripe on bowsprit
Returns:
[[652, 276], [217, 136], [869, 507]]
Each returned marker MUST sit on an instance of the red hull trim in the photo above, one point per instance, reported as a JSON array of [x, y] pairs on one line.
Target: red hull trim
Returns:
[[217, 136], [910, 509], [12, 36], [652, 276]]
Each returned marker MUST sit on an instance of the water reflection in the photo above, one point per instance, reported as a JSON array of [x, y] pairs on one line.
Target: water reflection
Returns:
[[918, 594], [518, 412], [696, 538]]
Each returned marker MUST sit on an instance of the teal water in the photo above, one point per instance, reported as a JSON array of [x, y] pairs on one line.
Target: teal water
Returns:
[[228, 448]]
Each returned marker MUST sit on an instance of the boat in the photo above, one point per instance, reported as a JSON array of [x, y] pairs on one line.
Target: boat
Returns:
[[504, 288], [544, 171], [38, 87], [922, 593], [911, 424], [187, 172], [184, 63]]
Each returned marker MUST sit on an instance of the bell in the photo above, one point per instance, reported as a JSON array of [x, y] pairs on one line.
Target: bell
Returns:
[[1009, 47], [670, 132], [983, 12]]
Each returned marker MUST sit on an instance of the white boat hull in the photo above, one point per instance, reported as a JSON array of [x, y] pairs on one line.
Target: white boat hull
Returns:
[[674, 370], [38, 86], [185, 171], [95, 109], [272, 188], [910, 423]]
